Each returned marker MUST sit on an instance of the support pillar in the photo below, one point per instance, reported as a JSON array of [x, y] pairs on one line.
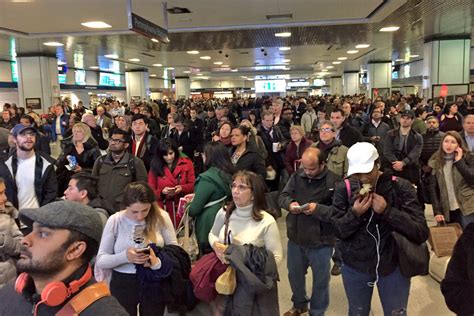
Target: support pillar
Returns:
[[137, 84], [446, 62], [379, 78], [350, 82], [183, 87], [38, 81], [335, 84]]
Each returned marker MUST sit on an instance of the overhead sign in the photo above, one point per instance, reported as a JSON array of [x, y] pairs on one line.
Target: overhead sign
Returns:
[[147, 28]]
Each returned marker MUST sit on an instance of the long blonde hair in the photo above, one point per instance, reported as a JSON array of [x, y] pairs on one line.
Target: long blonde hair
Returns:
[[141, 192], [85, 130]]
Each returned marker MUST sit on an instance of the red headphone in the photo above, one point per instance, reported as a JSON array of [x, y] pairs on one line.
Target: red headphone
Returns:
[[55, 293]]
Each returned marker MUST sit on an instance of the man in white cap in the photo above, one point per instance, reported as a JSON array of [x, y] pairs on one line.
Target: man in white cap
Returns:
[[367, 211]]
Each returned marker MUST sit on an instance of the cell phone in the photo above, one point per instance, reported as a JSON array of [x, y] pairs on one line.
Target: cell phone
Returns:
[[304, 207], [144, 250]]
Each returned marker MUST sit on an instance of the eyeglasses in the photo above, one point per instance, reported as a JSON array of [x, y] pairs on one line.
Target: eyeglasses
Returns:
[[115, 140], [326, 130], [239, 187]]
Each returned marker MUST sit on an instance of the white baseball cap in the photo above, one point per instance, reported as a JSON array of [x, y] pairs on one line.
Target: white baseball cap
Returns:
[[361, 158]]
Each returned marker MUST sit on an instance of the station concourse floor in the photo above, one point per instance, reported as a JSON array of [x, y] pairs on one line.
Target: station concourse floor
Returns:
[[425, 294]]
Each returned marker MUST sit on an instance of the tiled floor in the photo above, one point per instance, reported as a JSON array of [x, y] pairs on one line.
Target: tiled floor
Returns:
[[425, 295]]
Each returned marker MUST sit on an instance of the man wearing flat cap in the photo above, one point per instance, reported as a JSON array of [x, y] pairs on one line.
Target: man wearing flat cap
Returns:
[[56, 278]]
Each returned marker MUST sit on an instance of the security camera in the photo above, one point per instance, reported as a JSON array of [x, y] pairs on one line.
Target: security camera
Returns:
[[220, 52], [265, 54], [226, 55], [262, 50]]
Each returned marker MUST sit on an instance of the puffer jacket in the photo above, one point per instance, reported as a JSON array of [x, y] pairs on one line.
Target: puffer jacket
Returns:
[[10, 242], [431, 141], [463, 178]]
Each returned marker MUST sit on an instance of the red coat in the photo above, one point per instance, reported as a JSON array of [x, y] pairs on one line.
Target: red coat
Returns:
[[185, 172], [291, 155]]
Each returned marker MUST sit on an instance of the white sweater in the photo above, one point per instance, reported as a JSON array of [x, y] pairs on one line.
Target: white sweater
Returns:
[[245, 230], [117, 238]]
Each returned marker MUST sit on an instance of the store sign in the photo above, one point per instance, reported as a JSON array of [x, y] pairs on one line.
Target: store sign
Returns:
[[147, 28]]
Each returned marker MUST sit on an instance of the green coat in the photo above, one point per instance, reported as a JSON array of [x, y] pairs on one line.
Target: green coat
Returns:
[[210, 186]]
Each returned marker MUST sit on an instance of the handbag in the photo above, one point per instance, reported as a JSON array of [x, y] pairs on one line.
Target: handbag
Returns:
[[204, 274], [226, 282], [187, 235], [413, 258]]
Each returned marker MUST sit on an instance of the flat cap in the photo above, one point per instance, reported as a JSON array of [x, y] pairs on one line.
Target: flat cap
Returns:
[[66, 215]]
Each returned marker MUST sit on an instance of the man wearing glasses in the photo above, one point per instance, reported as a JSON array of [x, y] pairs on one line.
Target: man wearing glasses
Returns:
[[117, 169], [29, 175]]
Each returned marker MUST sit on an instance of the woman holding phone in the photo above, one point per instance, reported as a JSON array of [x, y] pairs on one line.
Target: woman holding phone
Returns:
[[171, 176], [144, 221], [452, 188]]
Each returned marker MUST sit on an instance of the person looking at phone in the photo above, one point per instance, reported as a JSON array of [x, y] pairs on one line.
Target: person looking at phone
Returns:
[[119, 251], [452, 191], [311, 238]]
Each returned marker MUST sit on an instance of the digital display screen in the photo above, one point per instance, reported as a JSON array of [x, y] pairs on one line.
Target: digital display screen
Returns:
[[262, 86], [80, 77], [107, 79]]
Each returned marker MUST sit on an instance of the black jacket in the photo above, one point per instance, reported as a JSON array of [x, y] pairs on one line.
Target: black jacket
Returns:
[[403, 214], [184, 140], [458, 284], [252, 161], [431, 141], [309, 230], [12, 303], [148, 149], [274, 159], [349, 135], [46, 185], [98, 135], [196, 129]]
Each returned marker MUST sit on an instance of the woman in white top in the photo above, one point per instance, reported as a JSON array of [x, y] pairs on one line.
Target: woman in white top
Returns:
[[120, 251], [248, 222]]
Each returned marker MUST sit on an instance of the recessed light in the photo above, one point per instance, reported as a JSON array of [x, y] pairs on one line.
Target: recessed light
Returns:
[[218, 63], [193, 52], [54, 44], [286, 60], [155, 40], [283, 34], [336, 62], [330, 67], [113, 56], [234, 70], [94, 67], [152, 75], [199, 74], [362, 45], [158, 65], [414, 56], [389, 29], [341, 58], [134, 60], [400, 59], [284, 48], [186, 72], [286, 68], [355, 51], [225, 66], [324, 70], [205, 57], [170, 68], [96, 25]]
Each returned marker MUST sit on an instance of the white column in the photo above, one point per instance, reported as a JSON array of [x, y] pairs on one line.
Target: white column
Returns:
[[137, 84], [5, 71], [446, 62], [351, 83], [38, 79], [335, 84], [379, 76], [183, 87]]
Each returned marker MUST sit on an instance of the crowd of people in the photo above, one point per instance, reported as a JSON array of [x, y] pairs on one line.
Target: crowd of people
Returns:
[[102, 187]]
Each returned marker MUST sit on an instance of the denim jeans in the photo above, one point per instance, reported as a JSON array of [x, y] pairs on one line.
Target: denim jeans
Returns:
[[393, 291], [299, 259]]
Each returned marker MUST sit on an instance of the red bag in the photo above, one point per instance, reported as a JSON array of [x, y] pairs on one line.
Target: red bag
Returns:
[[204, 275]]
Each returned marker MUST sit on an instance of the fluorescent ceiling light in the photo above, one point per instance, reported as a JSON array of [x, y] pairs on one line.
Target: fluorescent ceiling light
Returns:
[[283, 34], [389, 29], [336, 62], [286, 60], [352, 51], [324, 70], [330, 67], [134, 59], [225, 66], [193, 52], [400, 59], [113, 56], [234, 70], [341, 58], [205, 57], [200, 74], [218, 63], [286, 68], [155, 40], [170, 68], [94, 67], [60, 63], [158, 65], [284, 48], [186, 72], [54, 44], [414, 56], [362, 45], [152, 75], [96, 25]]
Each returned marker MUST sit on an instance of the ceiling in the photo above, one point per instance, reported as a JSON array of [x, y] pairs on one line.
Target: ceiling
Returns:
[[321, 31]]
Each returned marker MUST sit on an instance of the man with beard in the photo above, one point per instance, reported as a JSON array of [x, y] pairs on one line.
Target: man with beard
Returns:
[[54, 265], [29, 175]]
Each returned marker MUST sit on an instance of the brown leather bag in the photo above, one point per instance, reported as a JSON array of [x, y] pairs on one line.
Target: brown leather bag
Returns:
[[84, 299]]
